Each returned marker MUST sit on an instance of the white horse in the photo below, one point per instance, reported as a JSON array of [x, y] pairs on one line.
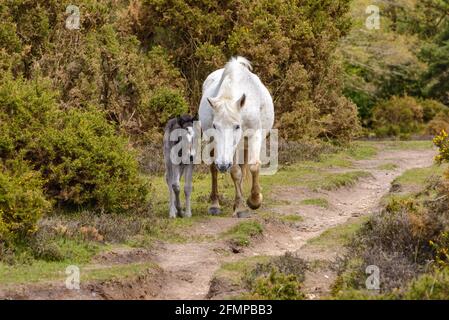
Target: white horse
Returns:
[[235, 104]]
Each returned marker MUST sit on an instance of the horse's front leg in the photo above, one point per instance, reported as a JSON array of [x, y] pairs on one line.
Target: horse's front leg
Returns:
[[214, 208], [254, 146], [237, 177]]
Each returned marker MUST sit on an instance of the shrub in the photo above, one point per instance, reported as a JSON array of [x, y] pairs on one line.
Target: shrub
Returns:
[[397, 240], [399, 116], [441, 248], [86, 163], [166, 104], [280, 278], [81, 158], [284, 40], [432, 286], [277, 286], [431, 108], [404, 116], [22, 201], [442, 142]]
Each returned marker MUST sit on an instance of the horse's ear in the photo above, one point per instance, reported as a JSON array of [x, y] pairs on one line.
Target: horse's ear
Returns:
[[241, 101], [212, 102]]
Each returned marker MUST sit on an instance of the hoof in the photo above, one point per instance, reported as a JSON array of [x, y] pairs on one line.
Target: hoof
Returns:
[[241, 212], [187, 214], [214, 211], [180, 214], [255, 203]]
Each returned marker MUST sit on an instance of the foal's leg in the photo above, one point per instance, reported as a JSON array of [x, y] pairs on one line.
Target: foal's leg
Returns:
[[175, 183], [188, 188], [171, 204], [214, 208], [254, 145]]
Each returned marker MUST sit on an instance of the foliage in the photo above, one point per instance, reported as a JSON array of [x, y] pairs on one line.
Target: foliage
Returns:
[[166, 104], [291, 44], [399, 116], [279, 278], [80, 157], [100, 64], [442, 142], [430, 286], [22, 201], [407, 56], [441, 248], [405, 240], [404, 116], [277, 286]]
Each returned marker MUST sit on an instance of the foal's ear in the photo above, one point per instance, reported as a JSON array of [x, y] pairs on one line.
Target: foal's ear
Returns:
[[241, 101]]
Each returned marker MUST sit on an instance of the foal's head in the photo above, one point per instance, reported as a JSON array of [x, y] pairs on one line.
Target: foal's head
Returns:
[[181, 131], [227, 125]]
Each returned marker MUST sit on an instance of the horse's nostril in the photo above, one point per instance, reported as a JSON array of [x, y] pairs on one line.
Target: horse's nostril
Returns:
[[191, 158], [223, 167]]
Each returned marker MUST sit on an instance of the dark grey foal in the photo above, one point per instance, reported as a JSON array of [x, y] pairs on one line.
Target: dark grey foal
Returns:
[[179, 153]]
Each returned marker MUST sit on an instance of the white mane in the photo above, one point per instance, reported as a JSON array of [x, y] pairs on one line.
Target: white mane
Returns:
[[233, 70]]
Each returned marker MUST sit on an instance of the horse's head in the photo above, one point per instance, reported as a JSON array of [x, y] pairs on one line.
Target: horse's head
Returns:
[[227, 125]]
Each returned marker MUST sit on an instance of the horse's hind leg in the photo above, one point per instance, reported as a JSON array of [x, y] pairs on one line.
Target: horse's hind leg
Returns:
[[214, 208]]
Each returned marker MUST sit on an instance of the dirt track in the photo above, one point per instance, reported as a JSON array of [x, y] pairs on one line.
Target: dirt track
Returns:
[[191, 266], [186, 269]]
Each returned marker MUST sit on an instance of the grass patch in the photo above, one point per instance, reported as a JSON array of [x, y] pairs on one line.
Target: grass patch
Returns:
[[335, 181], [387, 166], [116, 271], [42, 271], [362, 150], [234, 272], [412, 181], [420, 176], [317, 202], [242, 233], [408, 145], [338, 236]]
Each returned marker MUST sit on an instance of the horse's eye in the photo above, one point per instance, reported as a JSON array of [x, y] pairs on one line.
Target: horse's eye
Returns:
[[237, 127], [213, 126]]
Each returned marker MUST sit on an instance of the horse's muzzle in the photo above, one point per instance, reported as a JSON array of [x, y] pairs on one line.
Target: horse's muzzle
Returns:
[[223, 167]]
